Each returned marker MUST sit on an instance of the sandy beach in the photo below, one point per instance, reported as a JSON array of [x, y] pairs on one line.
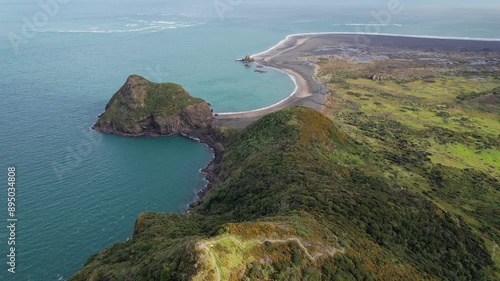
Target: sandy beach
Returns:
[[291, 57]]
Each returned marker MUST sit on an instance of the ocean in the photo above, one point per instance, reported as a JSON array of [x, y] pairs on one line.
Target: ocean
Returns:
[[78, 191]]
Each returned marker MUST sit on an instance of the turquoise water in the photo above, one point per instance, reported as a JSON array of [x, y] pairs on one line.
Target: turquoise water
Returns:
[[80, 191]]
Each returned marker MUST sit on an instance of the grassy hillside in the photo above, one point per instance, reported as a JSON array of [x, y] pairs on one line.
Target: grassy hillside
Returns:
[[302, 199], [437, 137]]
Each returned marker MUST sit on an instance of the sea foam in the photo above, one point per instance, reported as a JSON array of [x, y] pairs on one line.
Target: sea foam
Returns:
[[149, 26]]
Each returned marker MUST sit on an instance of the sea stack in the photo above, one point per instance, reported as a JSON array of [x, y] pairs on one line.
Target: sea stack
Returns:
[[143, 108]]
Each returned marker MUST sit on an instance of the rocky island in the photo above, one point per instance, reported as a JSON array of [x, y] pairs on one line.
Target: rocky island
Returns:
[[143, 108]]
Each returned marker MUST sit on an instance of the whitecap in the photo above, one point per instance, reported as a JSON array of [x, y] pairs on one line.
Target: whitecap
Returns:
[[143, 26]]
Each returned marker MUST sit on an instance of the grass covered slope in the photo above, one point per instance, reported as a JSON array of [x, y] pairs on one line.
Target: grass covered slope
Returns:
[[144, 107], [299, 200], [140, 97], [436, 135]]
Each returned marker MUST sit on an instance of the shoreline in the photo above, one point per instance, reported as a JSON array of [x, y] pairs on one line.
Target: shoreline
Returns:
[[296, 89], [301, 92], [209, 171], [309, 91], [288, 37]]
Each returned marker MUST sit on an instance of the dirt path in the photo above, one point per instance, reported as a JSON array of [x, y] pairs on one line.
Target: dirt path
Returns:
[[326, 250]]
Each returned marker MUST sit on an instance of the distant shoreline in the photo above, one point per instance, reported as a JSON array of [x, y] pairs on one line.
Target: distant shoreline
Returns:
[[376, 34], [308, 91]]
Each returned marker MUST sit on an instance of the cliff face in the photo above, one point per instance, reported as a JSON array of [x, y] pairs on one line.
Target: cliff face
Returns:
[[142, 107], [194, 121]]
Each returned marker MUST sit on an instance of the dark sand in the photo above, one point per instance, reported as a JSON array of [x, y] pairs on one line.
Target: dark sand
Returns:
[[311, 93]]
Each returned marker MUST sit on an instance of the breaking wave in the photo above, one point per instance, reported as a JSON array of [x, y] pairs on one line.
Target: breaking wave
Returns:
[[126, 25]]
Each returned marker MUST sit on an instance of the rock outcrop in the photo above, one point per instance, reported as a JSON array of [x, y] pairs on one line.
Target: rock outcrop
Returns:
[[144, 108]]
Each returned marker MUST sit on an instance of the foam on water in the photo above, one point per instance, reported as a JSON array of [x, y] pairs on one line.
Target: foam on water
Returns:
[[138, 26]]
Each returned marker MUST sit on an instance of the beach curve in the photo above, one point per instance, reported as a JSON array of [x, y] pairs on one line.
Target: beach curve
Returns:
[[310, 92]]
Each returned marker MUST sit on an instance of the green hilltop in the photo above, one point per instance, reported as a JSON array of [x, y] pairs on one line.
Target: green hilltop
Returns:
[[139, 99], [299, 199], [141, 107], [146, 98]]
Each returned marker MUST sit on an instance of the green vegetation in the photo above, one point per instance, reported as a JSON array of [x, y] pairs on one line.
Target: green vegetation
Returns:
[[303, 199], [439, 139], [473, 94], [141, 99]]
